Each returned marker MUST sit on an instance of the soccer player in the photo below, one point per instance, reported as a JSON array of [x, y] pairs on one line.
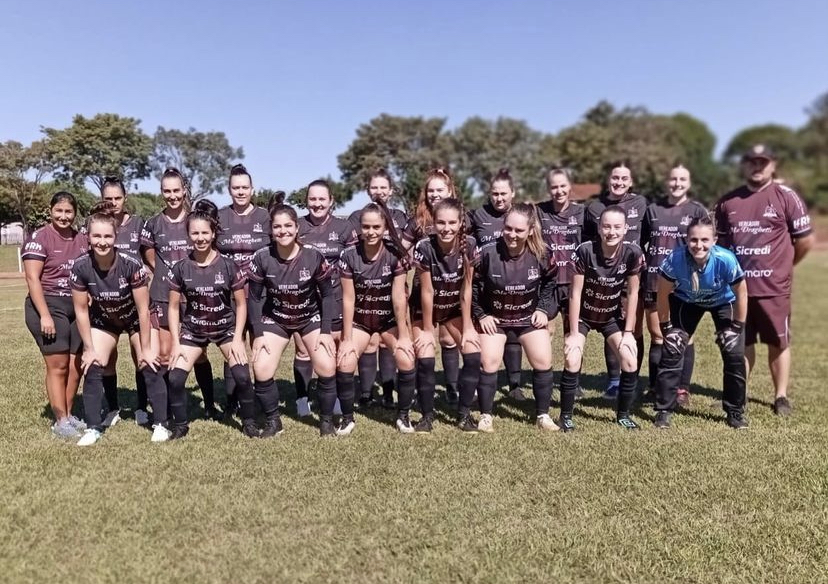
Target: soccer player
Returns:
[[619, 192], [292, 294], [696, 278], [767, 226], [665, 228], [513, 293], [443, 270], [486, 225], [48, 256], [109, 291], [373, 278], [164, 242], [211, 285], [602, 272]]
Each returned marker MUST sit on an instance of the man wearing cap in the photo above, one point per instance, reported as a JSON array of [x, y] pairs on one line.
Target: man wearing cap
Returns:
[[767, 226]]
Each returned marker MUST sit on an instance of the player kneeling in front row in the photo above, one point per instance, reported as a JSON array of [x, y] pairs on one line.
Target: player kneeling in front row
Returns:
[[602, 271], [697, 278]]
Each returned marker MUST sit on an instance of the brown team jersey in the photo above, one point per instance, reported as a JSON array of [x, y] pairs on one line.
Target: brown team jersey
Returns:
[[759, 227]]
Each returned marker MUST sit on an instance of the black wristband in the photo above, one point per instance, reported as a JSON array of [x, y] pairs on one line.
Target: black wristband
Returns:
[[665, 326]]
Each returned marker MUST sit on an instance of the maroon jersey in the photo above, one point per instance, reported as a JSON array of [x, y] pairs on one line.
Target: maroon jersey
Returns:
[[243, 235], [604, 279], [511, 288], [759, 227], [110, 290], [58, 255], [447, 272], [128, 239], [291, 293], [373, 281], [562, 234], [664, 229], [635, 206], [208, 293], [171, 244], [485, 224], [398, 218]]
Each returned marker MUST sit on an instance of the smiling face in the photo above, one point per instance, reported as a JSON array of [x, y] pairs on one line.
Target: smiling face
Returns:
[[758, 171], [101, 238], [501, 195], [678, 184], [114, 195], [241, 190], [559, 188], [613, 227], [700, 238], [173, 192], [447, 224], [516, 230], [372, 227], [62, 215], [283, 229], [436, 191], [379, 189], [201, 234], [620, 181], [319, 201]]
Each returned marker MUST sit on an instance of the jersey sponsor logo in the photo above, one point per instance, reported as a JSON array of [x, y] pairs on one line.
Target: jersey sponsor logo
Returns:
[[304, 274], [386, 270], [219, 278], [33, 245], [758, 273], [770, 212], [742, 250], [802, 222]]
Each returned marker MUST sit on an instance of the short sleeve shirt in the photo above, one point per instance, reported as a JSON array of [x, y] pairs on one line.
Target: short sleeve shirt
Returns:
[[604, 279], [373, 282], [485, 224], [635, 206], [208, 293], [171, 244], [110, 290], [58, 255], [562, 233], [447, 272], [243, 235], [715, 279]]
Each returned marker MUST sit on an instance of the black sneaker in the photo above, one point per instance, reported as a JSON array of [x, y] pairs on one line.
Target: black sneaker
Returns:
[[737, 421], [566, 424], [179, 432], [388, 400], [662, 420], [623, 419], [249, 429], [214, 414], [272, 427], [782, 407], [467, 424], [452, 397], [326, 427], [424, 426], [365, 402]]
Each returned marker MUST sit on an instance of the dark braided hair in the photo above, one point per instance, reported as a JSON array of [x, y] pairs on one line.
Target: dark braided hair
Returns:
[[395, 245], [205, 210]]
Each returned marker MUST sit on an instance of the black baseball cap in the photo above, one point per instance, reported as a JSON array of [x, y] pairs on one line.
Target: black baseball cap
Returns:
[[759, 151]]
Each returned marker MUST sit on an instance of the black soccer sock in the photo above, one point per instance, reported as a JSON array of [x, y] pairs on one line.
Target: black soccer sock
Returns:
[[326, 392], [405, 390], [367, 366], [613, 365], [244, 391], [345, 390], [542, 390], [626, 392], [178, 396], [451, 366], [569, 385], [204, 378], [687, 369], [93, 393], [267, 394], [512, 359], [486, 388], [229, 381], [155, 388], [469, 376], [302, 375], [141, 389], [110, 387], [654, 358], [639, 352], [425, 384]]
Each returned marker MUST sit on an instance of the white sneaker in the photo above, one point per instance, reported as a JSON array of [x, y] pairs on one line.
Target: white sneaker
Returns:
[[90, 436], [345, 427], [141, 417], [544, 422], [485, 424], [64, 429], [76, 423], [404, 425], [112, 418], [303, 407], [337, 408], [160, 433]]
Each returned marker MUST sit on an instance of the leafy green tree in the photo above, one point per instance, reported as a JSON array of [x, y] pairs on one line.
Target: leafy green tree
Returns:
[[204, 158], [784, 140], [100, 146], [144, 204], [814, 142], [23, 197]]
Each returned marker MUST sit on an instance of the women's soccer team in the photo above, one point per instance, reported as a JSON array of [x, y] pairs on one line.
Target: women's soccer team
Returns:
[[487, 286]]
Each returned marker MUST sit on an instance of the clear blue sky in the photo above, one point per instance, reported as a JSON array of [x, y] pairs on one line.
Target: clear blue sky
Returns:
[[291, 81]]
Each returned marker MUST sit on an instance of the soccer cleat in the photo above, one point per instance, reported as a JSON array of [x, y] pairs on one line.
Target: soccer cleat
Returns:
[[90, 437], [365, 402], [782, 407], [337, 411], [326, 427], [545, 423], [160, 433], [516, 394], [388, 400], [467, 424], [346, 426], [112, 418], [736, 420], [683, 397], [141, 417], [303, 409], [662, 420], [64, 429], [272, 427], [213, 414], [425, 425], [77, 423], [249, 429], [404, 424], [179, 432], [485, 424], [566, 424], [611, 392], [452, 397], [623, 419]]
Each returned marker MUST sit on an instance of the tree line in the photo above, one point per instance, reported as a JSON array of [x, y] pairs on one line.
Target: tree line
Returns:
[[107, 144]]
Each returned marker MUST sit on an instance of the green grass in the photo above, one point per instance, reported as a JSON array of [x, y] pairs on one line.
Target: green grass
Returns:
[[8, 258], [698, 503]]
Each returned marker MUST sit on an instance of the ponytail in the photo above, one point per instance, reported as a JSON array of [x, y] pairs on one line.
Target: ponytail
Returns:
[[205, 210]]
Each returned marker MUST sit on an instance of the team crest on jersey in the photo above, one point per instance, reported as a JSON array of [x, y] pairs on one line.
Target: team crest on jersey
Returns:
[[533, 274], [133, 237], [386, 270], [304, 274], [122, 283], [573, 220], [622, 267], [770, 212], [219, 278], [632, 213], [332, 236], [257, 228], [685, 221]]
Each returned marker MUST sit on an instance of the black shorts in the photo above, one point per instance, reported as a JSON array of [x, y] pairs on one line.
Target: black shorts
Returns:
[[159, 315], [67, 339], [649, 298], [193, 339], [114, 328], [383, 327], [609, 328], [561, 302], [513, 333], [280, 330]]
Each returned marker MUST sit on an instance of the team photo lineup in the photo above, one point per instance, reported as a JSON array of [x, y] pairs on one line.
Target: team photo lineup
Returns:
[[385, 290]]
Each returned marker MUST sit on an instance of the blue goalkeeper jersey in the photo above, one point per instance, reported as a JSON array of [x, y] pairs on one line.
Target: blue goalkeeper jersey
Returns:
[[715, 279]]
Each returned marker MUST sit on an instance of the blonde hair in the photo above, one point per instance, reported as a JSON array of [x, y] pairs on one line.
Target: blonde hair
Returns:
[[535, 239]]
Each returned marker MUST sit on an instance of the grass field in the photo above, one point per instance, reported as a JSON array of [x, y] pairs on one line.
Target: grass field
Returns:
[[8, 258], [698, 503]]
